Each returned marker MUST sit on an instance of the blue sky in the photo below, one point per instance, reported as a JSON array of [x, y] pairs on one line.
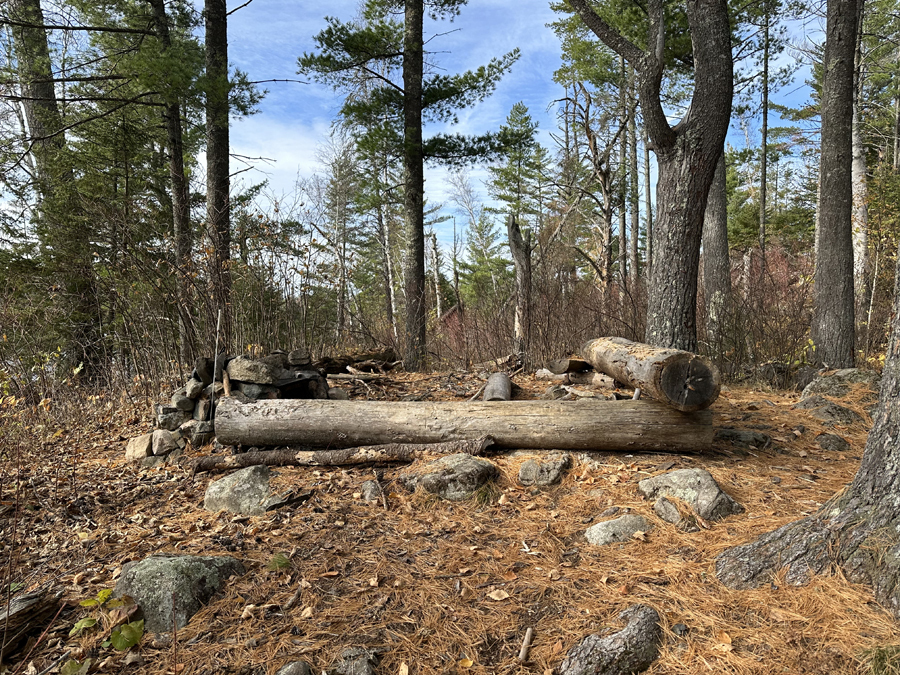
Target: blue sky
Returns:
[[267, 36]]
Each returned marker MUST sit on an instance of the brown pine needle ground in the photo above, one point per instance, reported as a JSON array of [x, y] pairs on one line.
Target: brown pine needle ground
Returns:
[[446, 587]]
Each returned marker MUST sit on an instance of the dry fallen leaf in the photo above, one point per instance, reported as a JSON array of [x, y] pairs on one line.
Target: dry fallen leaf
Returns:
[[640, 534], [624, 589], [465, 663], [503, 500], [332, 573], [557, 648], [403, 670], [306, 613], [248, 612], [604, 579], [785, 615], [373, 582], [498, 595], [509, 575]]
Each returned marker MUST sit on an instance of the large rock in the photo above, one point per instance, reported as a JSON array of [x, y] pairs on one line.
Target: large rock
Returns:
[[295, 668], [245, 492], [356, 661], [165, 442], [193, 388], [632, 650], [198, 433], [170, 418], [744, 438], [826, 411], [139, 447], [545, 472], [696, 487], [245, 369], [832, 443], [455, 477], [839, 383], [257, 391], [619, 529], [173, 588]]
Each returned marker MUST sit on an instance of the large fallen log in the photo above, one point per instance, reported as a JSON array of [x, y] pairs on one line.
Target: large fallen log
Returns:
[[371, 454], [683, 380], [573, 425]]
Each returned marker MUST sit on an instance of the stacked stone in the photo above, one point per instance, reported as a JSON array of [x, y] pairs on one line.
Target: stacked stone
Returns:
[[190, 413]]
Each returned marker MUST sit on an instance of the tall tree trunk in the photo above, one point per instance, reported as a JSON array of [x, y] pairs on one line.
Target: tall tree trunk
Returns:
[[623, 176], [413, 53], [648, 203], [858, 529], [520, 247], [833, 323], [218, 208], [686, 155], [181, 208], [716, 260], [764, 133], [860, 190], [63, 233], [634, 201], [436, 275], [387, 270]]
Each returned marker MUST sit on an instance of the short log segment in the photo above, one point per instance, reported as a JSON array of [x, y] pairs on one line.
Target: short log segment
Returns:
[[498, 388], [683, 380], [373, 454], [567, 425]]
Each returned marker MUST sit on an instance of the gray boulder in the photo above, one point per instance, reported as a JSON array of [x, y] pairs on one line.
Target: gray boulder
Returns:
[[356, 661], [256, 391], [338, 394], [193, 388], [743, 438], [371, 491], [165, 442], [839, 383], [295, 668], [631, 650], [173, 588], [666, 510], [139, 447], [832, 443], [826, 411], [245, 369], [455, 477], [182, 402], [544, 472], [202, 409], [620, 529], [695, 487], [198, 433], [170, 418], [244, 492]]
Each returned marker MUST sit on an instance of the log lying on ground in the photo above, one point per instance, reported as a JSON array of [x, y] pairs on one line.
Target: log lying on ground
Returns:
[[567, 425], [571, 365], [372, 454], [498, 388], [588, 378], [683, 380]]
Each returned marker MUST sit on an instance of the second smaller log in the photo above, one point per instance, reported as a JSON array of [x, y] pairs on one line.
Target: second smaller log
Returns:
[[498, 388], [680, 379]]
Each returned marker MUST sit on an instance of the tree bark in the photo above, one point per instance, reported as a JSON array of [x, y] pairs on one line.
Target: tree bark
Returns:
[[857, 530], [685, 381], [630, 426], [633, 190], [373, 454], [686, 154], [764, 133], [521, 253], [859, 189], [181, 207], [833, 322], [218, 209], [716, 259], [413, 56]]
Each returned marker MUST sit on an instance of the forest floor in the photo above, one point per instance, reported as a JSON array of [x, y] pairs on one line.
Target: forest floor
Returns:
[[416, 577]]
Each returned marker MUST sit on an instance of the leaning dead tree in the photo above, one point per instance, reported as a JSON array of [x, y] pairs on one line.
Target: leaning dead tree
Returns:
[[574, 425]]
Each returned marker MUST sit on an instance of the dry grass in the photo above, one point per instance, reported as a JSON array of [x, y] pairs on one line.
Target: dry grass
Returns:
[[413, 580]]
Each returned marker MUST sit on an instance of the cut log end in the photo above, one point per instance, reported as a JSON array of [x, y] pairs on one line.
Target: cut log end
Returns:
[[690, 383]]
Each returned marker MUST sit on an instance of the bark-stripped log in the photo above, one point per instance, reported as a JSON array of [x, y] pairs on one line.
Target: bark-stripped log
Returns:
[[586, 378], [373, 454], [572, 365], [572, 425], [498, 388], [683, 380]]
